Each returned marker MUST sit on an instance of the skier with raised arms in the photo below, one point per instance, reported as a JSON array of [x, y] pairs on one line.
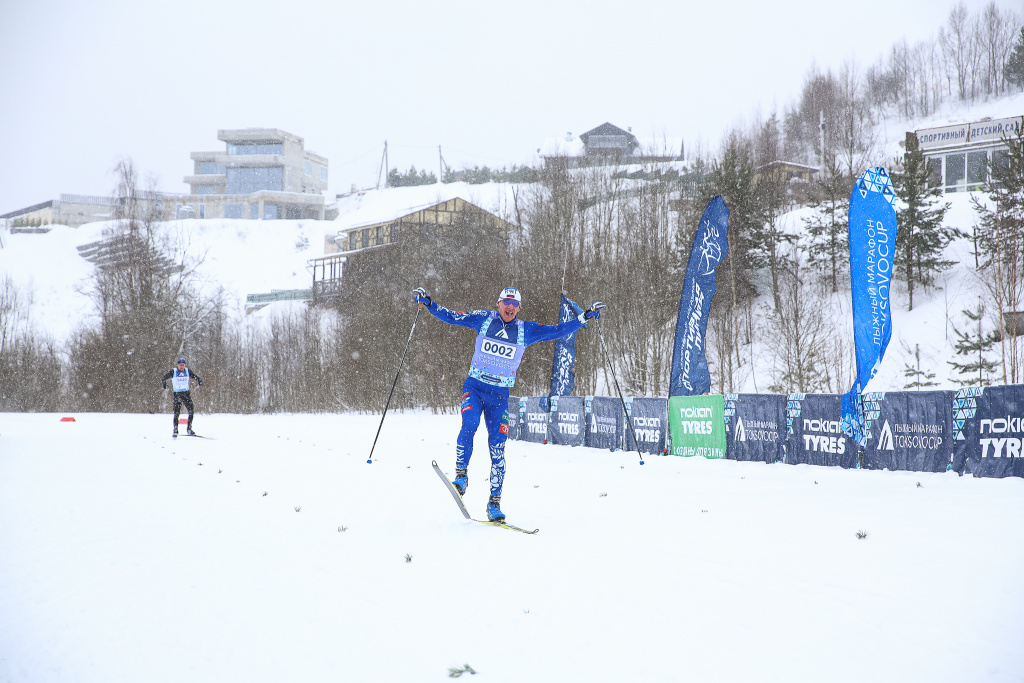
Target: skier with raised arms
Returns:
[[500, 342]]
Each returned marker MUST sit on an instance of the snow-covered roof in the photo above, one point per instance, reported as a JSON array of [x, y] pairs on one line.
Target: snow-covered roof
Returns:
[[372, 207]]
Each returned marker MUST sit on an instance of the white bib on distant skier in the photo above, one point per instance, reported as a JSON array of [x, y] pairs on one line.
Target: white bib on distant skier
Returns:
[[180, 380]]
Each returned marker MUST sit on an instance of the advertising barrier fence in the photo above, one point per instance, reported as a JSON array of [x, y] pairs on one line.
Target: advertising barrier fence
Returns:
[[650, 421], [697, 426], [975, 430], [755, 427], [814, 435], [566, 421], [908, 430], [534, 424], [988, 428], [514, 416], [604, 422]]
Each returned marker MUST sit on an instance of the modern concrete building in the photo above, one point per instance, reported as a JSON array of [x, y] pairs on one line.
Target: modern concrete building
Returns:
[[262, 173], [960, 155]]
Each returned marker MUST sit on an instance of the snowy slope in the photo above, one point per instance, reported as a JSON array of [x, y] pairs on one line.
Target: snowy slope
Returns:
[[246, 257], [275, 553]]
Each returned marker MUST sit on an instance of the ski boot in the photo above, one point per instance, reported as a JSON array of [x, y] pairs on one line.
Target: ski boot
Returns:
[[189, 430], [461, 482], [494, 513], [174, 434]]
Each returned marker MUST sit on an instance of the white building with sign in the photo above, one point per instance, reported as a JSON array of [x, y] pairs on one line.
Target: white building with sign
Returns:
[[960, 155]]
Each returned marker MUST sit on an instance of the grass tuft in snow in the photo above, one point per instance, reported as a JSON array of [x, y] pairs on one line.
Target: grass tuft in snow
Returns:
[[408, 557], [862, 534], [456, 672]]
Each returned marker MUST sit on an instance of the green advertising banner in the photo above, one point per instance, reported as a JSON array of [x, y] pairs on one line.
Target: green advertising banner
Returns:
[[697, 425]]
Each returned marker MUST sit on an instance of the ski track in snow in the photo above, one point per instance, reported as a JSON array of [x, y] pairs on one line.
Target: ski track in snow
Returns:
[[128, 556]]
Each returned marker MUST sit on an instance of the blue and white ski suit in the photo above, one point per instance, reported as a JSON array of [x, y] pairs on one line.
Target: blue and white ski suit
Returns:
[[498, 352]]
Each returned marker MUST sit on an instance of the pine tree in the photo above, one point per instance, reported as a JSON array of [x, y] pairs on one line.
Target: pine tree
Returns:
[[1013, 70], [922, 238], [1000, 241], [916, 377], [829, 250], [976, 369]]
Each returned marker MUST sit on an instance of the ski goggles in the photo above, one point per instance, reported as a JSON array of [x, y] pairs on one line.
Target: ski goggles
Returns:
[[510, 302]]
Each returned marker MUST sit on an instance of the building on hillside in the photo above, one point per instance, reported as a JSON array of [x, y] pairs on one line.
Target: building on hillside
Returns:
[[959, 156], [78, 209], [379, 227], [608, 143], [383, 232], [790, 170], [262, 173]]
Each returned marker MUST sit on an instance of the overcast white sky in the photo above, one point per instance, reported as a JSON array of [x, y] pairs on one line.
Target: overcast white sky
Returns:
[[83, 84]]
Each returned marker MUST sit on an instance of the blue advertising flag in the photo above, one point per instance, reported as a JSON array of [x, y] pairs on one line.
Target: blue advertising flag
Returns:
[[690, 376], [872, 249], [563, 378]]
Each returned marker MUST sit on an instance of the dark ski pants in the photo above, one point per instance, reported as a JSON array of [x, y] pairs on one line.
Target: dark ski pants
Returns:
[[186, 398], [492, 406]]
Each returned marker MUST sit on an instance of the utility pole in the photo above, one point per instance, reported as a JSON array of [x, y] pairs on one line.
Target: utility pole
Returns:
[[821, 129], [383, 166]]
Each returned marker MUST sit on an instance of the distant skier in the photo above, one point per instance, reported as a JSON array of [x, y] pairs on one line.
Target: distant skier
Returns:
[[180, 377], [500, 342]]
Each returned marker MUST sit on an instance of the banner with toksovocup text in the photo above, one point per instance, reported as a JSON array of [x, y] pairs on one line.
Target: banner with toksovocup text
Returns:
[[755, 427], [605, 422], [908, 430], [698, 425]]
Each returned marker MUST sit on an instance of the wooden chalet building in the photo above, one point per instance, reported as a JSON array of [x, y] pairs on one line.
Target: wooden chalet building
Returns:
[[607, 143], [384, 229]]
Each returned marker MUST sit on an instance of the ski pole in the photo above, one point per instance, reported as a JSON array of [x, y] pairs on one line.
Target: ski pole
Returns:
[[617, 389], [369, 460]]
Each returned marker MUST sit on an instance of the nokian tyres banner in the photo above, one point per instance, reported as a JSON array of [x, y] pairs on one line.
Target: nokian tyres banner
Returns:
[[565, 422], [604, 422], [755, 427], [698, 426], [815, 437], [513, 417], [908, 430], [648, 417], [534, 426], [988, 431]]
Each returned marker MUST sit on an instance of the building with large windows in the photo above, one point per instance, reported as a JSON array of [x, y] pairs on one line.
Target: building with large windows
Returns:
[[262, 173], [959, 156]]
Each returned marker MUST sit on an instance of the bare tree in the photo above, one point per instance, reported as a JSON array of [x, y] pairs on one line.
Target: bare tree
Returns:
[[798, 332], [960, 47]]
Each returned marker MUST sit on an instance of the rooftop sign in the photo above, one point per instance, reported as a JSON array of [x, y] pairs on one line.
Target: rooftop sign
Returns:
[[961, 134]]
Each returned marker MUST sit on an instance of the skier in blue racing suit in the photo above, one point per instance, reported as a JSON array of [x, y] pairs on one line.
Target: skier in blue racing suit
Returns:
[[500, 342]]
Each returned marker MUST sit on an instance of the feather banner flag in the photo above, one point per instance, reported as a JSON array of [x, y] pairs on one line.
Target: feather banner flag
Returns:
[[690, 376], [872, 250], [563, 376]]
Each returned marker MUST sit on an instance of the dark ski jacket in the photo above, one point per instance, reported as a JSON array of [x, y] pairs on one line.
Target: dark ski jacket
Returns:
[[174, 371]]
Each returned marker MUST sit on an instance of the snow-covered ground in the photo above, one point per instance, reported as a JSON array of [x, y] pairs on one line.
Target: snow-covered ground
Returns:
[[276, 553]]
